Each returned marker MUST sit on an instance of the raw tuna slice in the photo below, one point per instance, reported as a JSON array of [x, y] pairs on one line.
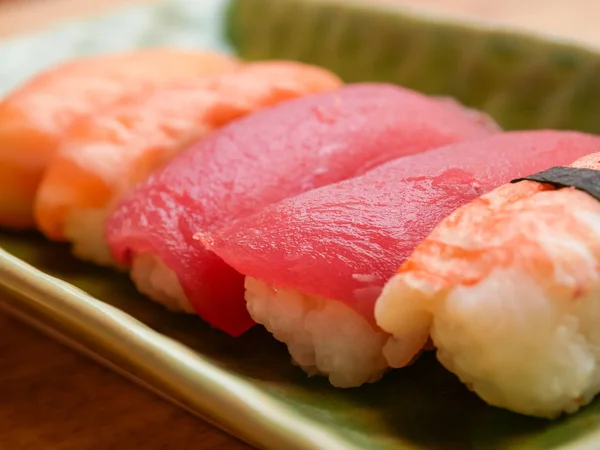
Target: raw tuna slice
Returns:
[[263, 158], [316, 263]]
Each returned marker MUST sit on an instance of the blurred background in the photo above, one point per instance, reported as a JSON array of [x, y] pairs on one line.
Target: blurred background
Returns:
[[576, 18], [23, 15]]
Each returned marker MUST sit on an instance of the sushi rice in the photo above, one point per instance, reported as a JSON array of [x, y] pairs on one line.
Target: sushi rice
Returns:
[[349, 355], [84, 228], [154, 279], [323, 337]]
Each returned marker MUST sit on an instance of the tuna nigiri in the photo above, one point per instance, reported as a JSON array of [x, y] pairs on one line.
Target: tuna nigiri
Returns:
[[272, 154], [35, 116], [316, 263], [509, 286], [107, 154]]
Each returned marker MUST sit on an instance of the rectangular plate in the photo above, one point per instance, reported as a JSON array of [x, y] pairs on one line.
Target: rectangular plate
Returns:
[[245, 385]]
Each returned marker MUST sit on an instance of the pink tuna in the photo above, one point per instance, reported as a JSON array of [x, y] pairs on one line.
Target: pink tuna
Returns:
[[342, 242], [266, 157]]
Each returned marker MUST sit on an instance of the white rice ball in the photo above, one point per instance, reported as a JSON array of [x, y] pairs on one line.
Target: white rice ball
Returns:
[[153, 278], [323, 337], [84, 228]]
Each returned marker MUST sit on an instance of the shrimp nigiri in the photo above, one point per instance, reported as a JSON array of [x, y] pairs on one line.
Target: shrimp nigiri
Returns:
[[509, 288], [107, 154], [35, 116]]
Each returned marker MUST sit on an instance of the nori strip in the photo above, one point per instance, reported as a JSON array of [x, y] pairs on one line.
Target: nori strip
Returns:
[[586, 180]]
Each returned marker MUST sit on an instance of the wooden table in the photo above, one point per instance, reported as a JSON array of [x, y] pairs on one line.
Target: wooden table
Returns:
[[52, 398]]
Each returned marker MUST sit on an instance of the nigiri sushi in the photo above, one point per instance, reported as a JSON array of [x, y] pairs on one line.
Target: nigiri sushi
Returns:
[[35, 116], [316, 263], [509, 287], [272, 154], [107, 154]]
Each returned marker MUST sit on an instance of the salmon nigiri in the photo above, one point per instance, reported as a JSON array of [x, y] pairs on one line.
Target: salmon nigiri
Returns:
[[106, 155], [509, 287], [316, 263], [34, 117], [259, 159]]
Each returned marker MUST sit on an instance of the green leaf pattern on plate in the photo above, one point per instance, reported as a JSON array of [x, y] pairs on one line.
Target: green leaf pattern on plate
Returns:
[[523, 81]]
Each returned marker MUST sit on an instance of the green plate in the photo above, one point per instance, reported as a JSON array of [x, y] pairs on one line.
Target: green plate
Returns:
[[522, 78], [246, 385]]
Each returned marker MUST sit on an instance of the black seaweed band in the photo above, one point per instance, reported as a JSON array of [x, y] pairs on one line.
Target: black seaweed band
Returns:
[[586, 180]]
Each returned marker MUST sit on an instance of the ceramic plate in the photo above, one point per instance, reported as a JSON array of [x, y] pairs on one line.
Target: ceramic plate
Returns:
[[245, 385]]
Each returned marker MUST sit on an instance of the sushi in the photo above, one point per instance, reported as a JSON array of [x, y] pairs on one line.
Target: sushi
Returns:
[[272, 154], [316, 263], [35, 116], [509, 288], [105, 155]]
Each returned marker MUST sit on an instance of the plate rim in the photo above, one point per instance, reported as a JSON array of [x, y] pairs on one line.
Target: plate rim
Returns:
[[180, 374]]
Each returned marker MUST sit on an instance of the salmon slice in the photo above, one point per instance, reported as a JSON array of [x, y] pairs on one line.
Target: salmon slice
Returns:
[[34, 117], [107, 154]]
